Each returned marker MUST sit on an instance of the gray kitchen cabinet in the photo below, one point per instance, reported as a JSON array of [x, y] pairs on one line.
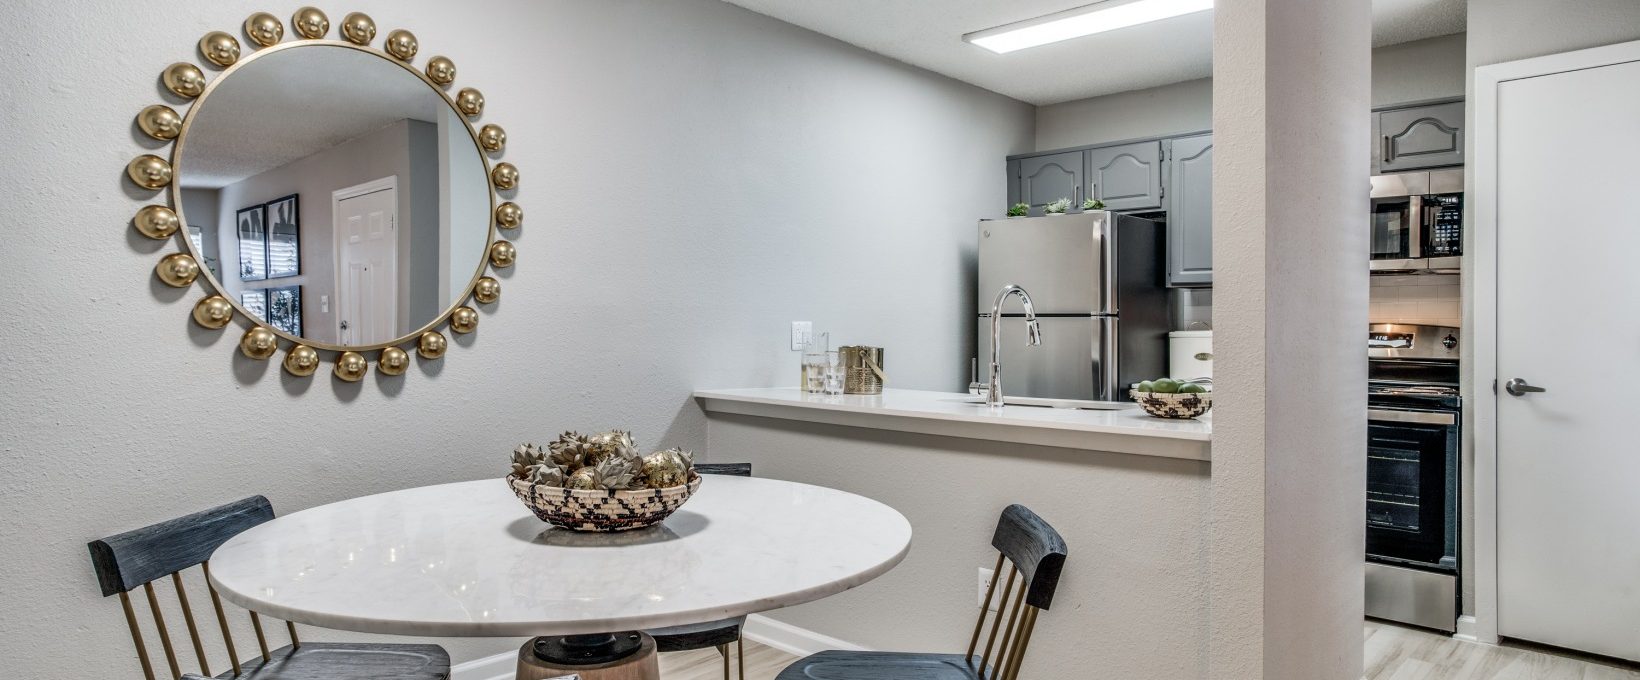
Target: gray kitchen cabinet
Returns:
[[1412, 138], [1126, 177], [1045, 179], [1189, 211]]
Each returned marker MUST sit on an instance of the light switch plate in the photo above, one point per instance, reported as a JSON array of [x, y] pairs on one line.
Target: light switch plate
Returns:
[[802, 334], [985, 576]]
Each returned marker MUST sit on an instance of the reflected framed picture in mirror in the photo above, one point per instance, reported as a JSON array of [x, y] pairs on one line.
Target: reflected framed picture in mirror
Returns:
[[284, 241], [255, 302], [285, 309], [253, 243]]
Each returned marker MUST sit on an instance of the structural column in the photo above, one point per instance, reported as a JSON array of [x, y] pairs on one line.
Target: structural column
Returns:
[[1291, 84]]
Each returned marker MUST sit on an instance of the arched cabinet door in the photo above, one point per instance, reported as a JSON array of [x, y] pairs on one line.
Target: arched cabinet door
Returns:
[[1045, 179], [1126, 177], [1420, 137], [1190, 211]]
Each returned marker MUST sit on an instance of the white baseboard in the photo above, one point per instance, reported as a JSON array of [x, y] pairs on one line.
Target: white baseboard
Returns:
[[1466, 629], [760, 629], [791, 639]]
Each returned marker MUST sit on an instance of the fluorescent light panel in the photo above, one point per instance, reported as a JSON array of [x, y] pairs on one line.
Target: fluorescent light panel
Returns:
[[1081, 21]]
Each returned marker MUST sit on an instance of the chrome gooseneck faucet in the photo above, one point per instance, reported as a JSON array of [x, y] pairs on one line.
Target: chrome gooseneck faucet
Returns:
[[993, 394]]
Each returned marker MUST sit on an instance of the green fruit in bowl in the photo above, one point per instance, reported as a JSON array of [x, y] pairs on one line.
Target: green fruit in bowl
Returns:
[[1146, 386], [1166, 386], [1192, 388]]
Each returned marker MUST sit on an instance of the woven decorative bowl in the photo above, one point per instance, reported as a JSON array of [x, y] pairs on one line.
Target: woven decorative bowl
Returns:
[[1166, 405], [601, 509]]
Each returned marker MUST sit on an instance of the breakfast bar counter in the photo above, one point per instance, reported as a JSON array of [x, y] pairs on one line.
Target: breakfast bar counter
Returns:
[[1127, 430]]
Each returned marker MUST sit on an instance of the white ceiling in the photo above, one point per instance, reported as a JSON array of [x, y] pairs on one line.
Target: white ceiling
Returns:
[[928, 33], [291, 104]]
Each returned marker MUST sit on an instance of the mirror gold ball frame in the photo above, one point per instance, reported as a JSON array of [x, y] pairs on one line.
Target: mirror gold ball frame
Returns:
[[309, 26]]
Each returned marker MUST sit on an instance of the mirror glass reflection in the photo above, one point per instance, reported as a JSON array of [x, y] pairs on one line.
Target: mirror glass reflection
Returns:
[[334, 195]]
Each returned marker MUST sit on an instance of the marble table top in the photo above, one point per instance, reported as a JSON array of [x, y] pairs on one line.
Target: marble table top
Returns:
[[467, 559]]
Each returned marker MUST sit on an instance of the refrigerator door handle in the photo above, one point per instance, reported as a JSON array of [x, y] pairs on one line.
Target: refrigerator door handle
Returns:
[[1105, 380]]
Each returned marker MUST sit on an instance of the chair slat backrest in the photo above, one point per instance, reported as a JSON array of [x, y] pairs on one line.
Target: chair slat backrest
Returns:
[[126, 561], [1035, 555], [732, 469], [137, 558]]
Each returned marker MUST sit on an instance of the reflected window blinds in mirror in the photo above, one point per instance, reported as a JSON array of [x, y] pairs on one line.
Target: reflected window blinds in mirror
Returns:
[[367, 189]]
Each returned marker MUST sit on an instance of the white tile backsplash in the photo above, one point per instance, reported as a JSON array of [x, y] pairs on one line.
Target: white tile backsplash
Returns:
[[1435, 299]]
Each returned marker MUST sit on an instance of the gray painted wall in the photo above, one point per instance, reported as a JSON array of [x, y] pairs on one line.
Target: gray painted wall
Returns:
[[696, 176], [1414, 71], [1132, 602]]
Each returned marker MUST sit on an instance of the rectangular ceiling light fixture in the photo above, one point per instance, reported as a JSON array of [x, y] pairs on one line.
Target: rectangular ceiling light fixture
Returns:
[[1075, 23]]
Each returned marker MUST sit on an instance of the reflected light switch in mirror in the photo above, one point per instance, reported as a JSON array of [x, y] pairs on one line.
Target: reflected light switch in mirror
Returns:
[[324, 304]]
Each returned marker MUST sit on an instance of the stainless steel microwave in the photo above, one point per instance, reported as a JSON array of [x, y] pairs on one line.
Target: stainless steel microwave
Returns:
[[1417, 222]]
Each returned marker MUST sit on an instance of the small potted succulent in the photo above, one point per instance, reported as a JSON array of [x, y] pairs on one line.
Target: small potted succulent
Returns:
[[1057, 207], [1093, 204], [600, 483], [1019, 210]]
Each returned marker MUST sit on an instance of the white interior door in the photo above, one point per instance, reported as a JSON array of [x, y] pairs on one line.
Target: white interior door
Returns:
[[367, 261], [1568, 321]]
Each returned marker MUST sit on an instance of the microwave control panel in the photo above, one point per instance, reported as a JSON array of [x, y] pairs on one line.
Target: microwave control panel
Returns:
[[1445, 225]]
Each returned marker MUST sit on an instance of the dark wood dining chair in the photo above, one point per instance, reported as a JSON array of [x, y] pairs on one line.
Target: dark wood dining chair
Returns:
[[1037, 555], [138, 558], [712, 634]]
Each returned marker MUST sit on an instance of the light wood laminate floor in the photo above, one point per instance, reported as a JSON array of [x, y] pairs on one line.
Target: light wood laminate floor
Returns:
[[1392, 653]]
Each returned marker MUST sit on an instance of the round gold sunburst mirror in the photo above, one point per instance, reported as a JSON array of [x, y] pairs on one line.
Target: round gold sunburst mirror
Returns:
[[330, 194]]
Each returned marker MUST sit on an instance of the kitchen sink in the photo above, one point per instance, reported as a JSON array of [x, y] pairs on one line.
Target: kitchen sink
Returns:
[[1060, 403]]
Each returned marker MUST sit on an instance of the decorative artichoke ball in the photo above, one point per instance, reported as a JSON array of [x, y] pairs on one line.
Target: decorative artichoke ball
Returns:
[[607, 460]]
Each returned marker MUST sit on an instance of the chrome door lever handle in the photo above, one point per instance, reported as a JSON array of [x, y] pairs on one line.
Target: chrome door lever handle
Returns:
[[1517, 387]]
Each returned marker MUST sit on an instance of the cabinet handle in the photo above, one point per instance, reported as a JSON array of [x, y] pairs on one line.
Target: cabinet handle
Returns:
[[1386, 147]]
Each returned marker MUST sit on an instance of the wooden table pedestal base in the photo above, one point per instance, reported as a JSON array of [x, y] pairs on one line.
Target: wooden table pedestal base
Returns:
[[637, 664]]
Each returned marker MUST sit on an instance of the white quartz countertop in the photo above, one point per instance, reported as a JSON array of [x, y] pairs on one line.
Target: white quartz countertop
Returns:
[[953, 415]]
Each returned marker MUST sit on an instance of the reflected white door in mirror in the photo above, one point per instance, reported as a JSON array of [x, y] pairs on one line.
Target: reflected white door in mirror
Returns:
[[341, 198]]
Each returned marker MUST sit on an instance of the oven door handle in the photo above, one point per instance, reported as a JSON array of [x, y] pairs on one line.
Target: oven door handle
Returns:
[[1418, 417]]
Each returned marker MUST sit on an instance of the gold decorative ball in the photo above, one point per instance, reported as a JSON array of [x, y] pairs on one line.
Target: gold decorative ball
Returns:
[[492, 137], [160, 122], [487, 290], [359, 29], [184, 80], [264, 29], [156, 221], [504, 175], [441, 70], [310, 23], [508, 215], [470, 102], [431, 345], [177, 269], [259, 343], [503, 254], [464, 320], [219, 48], [351, 366], [393, 361], [213, 312], [149, 171], [301, 361], [401, 44]]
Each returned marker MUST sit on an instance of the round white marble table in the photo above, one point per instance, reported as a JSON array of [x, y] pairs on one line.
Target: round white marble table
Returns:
[[467, 559]]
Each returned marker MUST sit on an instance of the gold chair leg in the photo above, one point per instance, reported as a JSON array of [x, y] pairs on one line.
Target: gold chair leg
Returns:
[[740, 654], [724, 651]]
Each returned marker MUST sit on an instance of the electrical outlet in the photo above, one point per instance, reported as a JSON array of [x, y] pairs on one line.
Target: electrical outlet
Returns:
[[985, 576], [802, 335]]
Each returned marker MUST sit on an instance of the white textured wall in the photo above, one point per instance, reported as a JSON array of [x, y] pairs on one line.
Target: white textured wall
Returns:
[[1132, 602], [1289, 450], [695, 177], [1414, 71]]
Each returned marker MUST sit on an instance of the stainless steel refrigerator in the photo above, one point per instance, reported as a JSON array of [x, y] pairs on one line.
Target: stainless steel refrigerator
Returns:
[[1097, 282]]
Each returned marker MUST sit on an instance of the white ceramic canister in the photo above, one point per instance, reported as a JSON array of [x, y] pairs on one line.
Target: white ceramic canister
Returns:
[[1190, 354]]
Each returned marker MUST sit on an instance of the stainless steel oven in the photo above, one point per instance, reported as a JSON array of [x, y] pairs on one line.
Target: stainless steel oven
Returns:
[[1413, 434], [1417, 222]]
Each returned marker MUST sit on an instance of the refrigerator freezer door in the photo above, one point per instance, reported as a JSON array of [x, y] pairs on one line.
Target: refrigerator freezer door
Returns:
[[1059, 260], [1065, 366]]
